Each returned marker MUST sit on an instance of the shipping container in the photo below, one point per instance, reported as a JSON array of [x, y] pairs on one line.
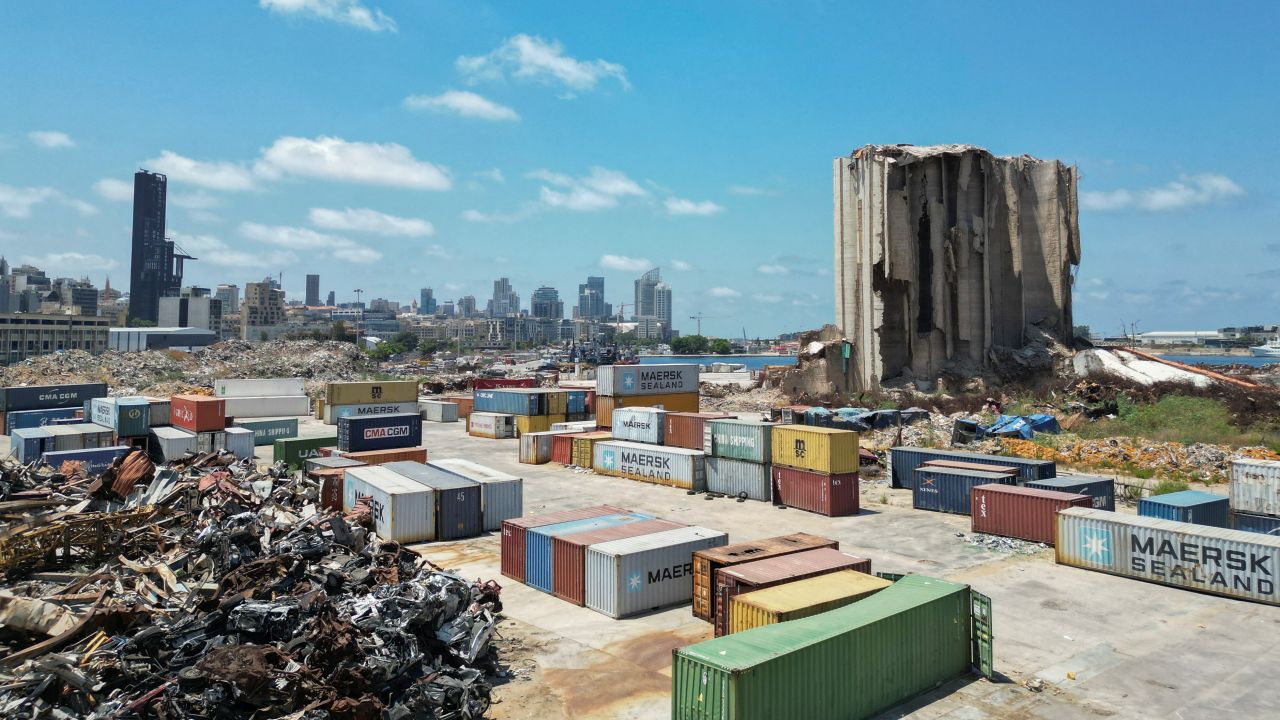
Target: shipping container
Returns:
[[1020, 512], [331, 482], [379, 432], [556, 402], [575, 426], [707, 564], [364, 393], [673, 467], [170, 443], [538, 570], [501, 494], [459, 509], [583, 447], [382, 457], [758, 574], [831, 495], [269, 406], [28, 444], [266, 432], [94, 460], [1101, 491], [438, 411], [852, 662], [801, 599], [642, 425], [824, 450], [491, 425], [197, 413], [681, 402], [639, 574], [562, 448], [207, 442], [536, 423], [296, 451], [1188, 506], [329, 463], [44, 397], [627, 380], [688, 430], [80, 436], [403, 510], [569, 555], [465, 404], [739, 478], [903, 462], [126, 416], [512, 549], [332, 413], [497, 383], [739, 439], [1196, 557], [258, 387], [1255, 486], [575, 402], [962, 465], [948, 490], [22, 419], [159, 411], [1249, 522], [535, 447], [529, 401], [240, 442]]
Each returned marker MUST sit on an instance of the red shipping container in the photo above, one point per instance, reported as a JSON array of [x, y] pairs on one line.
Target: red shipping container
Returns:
[[1020, 512], [735, 580], [331, 451], [685, 429], [562, 448], [465, 404], [198, 413], [331, 480], [512, 550], [569, 555], [496, 383], [382, 457], [830, 495]]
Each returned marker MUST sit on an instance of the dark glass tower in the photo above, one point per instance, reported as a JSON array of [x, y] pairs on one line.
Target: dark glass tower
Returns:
[[151, 272]]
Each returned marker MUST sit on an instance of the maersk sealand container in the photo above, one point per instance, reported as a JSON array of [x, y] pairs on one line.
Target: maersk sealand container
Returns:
[[538, 568]]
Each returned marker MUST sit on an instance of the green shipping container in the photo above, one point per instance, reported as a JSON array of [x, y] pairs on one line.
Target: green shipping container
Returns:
[[853, 662], [298, 450], [266, 432]]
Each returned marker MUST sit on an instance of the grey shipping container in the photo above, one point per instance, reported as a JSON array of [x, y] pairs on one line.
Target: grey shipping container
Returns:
[[639, 424], [675, 467], [81, 436], [501, 494], [329, 463], [438, 411], [171, 443], [271, 406], [459, 509], [266, 432], [239, 441], [1101, 490], [42, 397], [738, 439], [403, 510], [737, 478], [28, 444], [634, 575], [159, 411], [1255, 486], [211, 441], [333, 413], [646, 379], [904, 461]]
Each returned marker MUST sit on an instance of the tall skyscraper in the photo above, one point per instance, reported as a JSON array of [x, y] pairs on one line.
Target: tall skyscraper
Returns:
[[313, 290], [467, 306], [230, 297], [426, 302], [151, 271], [546, 303], [591, 304], [505, 300], [653, 299], [330, 300]]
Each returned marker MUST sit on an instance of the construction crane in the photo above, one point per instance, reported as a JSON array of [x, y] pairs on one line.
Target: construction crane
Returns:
[[700, 317]]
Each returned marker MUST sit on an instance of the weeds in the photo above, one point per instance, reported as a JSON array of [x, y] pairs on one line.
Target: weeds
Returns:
[[1164, 487]]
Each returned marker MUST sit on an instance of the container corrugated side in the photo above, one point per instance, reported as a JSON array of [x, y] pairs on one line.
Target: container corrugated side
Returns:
[[361, 393], [502, 494], [513, 547], [706, 564], [801, 599], [1195, 557], [509, 402], [629, 380], [296, 451], [737, 478], [733, 581], [28, 444], [491, 425], [459, 503], [739, 439], [687, 430], [673, 467], [22, 419], [643, 425], [43, 397], [833, 495], [852, 662], [379, 432], [258, 387], [269, 406], [949, 490], [94, 460], [382, 457], [1255, 486], [239, 442], [538, 568], [266, 432], [171, 443], [627, 577], [1249, 522], [582, 449], [535, 447], [904, 461], [824, 450], [569, 554], [438, 411], [159, 411], [680, 402], [1102, 491], [1020, 512], [403, 510], [1189, 506], [535, 423], [333, 413], [562, 449]]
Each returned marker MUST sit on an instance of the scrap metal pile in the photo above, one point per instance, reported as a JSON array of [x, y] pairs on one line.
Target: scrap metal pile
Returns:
[[215, 589]]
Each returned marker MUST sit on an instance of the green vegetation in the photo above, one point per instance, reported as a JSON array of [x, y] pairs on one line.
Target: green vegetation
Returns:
[[1164, 487], [720, 346], [690, 345], [401, 342], [140, 323], [630, 339], [1080, 331], [429, 347], [1179, 418]]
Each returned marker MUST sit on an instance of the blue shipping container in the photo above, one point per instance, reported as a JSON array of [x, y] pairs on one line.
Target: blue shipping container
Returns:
[[514, 401], [575, 401], [127, 416], [266, 432], [379, 432], [537, 550], [43, 397], [948, 489], [1249, 522], [905, 460], [1101, 490], [36, 418], [1189, 506], [95, 460], [459, 512], [28, 444]]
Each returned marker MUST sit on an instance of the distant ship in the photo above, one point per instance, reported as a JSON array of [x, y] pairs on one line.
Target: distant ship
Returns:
[[1271, 349]]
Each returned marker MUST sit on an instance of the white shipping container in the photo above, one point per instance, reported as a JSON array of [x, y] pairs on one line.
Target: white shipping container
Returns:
[[211, 441], [333, 412], [1255, 486], [258, 387], [170, 443], [672, 466], [241, 408], [575, 426], [438, 411], [646, 379], [501, 494], [736, 477], [159, 411], [626, 577], [239, 441], [639, 424], [535, 447], [491, 425], [403, 508], [1233, 563]]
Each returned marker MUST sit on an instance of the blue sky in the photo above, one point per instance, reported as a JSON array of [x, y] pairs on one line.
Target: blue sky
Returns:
[[391, 145]]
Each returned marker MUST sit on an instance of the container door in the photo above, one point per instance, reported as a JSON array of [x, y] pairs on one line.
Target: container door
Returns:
[[980, 618]]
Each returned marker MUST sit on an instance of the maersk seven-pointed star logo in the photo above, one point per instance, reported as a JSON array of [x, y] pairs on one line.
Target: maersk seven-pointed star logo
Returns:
[[610, 460], [634, 582], [1096, 545], [628, 381]]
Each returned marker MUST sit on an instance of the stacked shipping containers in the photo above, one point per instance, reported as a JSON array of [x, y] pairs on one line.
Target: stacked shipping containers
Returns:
[[1255, 495], [904, 461], [515, 530], [379, 432], [769, 572], [642, 425], [815, 469], [357, 399], [672, 387], [738, 454], [263, 397], [533, 409], [709, 562], [1101, 490], [950, 490], [582, 447], [688, 430], [801, 598], [459, 509]]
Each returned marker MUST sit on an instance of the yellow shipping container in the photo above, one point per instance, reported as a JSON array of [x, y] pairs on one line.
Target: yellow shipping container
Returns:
[[557, 403], [801, 598], [365, 393], [819, 449], [584, 447], [672, 402], [536, 423]]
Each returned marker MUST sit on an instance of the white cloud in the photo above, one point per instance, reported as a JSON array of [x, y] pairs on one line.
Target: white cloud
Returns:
[[623, 262], [749, 190], [80, 206], [438, 252], [723, 292], [17, 202], [332, 158], [114, 189], [597, 191], [365, 220], [71, 263], [347, 12], [198, 200], [678, 206], [51, 139], [461, 102], [767, 298], [681, 266], [212, 175], [529, 57], [773, 269], [476, 216], [1186, 191], [297, 238], [214, 251], [492, 175]]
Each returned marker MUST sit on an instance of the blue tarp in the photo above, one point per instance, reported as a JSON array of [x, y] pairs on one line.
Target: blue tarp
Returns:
[[1023, 426]]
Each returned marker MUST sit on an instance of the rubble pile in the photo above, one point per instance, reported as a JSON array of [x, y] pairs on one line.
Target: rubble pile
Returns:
[[1202, 461], [1002, 544], [215, 589], [731, 398]]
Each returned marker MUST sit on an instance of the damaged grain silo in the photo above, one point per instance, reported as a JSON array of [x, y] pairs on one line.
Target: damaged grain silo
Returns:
[[946, 252]]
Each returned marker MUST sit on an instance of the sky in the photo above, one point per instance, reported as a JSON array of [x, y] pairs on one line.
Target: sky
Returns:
[[390, 145]]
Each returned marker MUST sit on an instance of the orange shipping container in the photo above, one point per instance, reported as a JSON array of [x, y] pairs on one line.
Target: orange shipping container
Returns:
[[197, 413], [673, 402], [465, 403], [382, 457], [685, 429]]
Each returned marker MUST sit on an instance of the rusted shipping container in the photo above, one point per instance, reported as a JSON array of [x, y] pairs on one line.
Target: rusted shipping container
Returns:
[[830, 495], [679, 402], [330, 480], [562, 448], [465, 403], [569, 555], [707, 562], [197, 413], [801, 599], [686, 429], [1020, 512], [382, 457], [512, 550], [733, 581], [980, 467]]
